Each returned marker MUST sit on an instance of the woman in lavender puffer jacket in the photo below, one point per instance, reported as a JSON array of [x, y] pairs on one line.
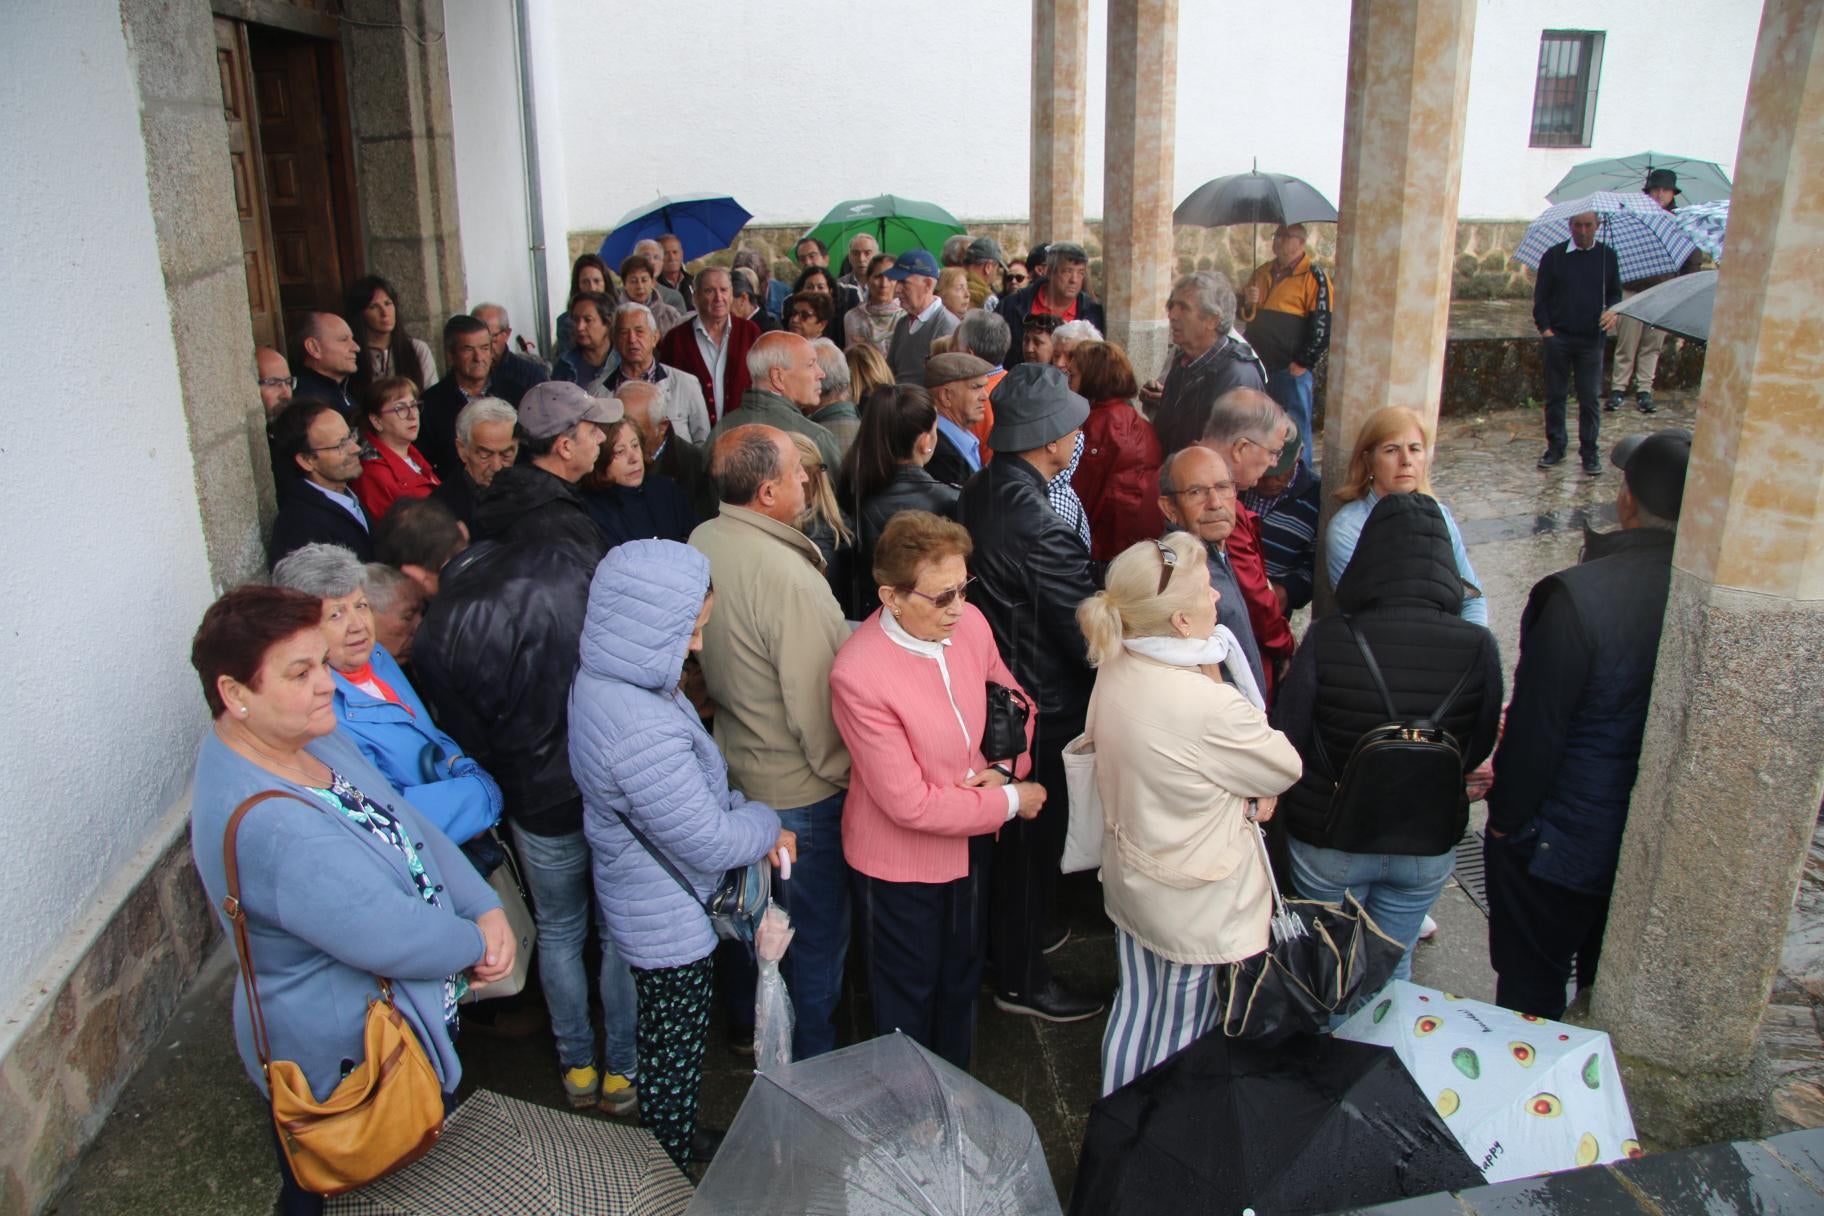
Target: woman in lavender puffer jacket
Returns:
[[637, 750]]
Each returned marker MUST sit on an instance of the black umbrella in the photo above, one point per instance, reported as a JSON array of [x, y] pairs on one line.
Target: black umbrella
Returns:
[[1254, 198], [1312, 1125]]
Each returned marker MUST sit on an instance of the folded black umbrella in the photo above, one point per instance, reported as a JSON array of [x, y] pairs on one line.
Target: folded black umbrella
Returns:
[[1311, 1125]]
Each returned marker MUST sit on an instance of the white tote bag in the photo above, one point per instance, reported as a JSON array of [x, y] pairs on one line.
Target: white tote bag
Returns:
[[1083, 838]]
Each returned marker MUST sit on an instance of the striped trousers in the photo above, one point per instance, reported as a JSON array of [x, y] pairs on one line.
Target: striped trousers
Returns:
[[1160, 1008]]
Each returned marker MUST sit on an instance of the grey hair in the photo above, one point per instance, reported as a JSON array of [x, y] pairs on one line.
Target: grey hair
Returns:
[[704, 275], [325, 571], [489, 307], [985, 335], [1076, 331], [1242, 413], [630, 309], [1169, 487], [754, 260], [835, 367], [1065, 253], [637, 388], [480, 410], [742, 460], [1211, 292], [955, 248], [764, 356], [383, 583]]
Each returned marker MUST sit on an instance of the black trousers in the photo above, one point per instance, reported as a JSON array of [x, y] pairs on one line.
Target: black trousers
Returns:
[[924, 943], [1539, 933], [1571, 358], [1022, 891]]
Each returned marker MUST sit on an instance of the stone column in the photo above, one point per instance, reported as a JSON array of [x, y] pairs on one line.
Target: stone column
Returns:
[[399, 109], [1397, 223], [1137, 257], [1733, 763], [1060, 74]]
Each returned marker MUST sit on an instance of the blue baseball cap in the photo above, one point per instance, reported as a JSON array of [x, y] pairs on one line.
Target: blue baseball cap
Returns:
[[911, 262]]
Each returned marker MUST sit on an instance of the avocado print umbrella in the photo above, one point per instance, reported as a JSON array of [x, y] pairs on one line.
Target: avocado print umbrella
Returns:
[[1522, 1095], [896, 224]]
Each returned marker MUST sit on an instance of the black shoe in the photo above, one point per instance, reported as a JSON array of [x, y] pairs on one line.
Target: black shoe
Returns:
[[1550, 459], [741, 1040], [1612, 404], [1592, 466], [703, 1144], [1057, 942], [1053, 1003], [1644, 403]]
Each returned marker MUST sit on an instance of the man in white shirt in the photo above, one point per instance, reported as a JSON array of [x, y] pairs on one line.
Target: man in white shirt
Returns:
[[926, 318]]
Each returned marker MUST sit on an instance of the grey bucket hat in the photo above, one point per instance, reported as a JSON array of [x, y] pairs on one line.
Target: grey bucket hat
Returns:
[[1033, 405]]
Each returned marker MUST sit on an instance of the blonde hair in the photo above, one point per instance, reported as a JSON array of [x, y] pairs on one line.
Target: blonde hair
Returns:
[[943, 345], [1378, 428], [1131, 604], [820, 504], [868, 370]]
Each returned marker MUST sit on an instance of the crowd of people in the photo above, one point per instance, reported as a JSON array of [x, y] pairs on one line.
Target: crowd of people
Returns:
[[828, 574]]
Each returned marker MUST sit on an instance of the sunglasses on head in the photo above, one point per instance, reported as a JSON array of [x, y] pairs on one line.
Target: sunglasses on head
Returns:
[[1168, 562]]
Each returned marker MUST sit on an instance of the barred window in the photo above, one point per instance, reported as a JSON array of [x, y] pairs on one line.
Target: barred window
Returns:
[[1564, 97]]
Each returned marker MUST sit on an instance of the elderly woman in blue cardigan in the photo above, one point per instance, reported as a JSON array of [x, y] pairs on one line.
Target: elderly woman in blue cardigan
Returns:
[[341, 883], [377, 707], [641, 757]]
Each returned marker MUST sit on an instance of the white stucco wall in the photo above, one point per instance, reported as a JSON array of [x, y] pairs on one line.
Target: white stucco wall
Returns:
[[769, 103], [106, 574]]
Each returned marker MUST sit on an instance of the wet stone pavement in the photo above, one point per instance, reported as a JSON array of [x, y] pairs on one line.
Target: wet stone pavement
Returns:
[[187, 1134]]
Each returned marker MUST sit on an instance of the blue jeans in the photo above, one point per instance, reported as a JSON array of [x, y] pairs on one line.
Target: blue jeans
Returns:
[[558, 871], [1396, 890], [818, 899], [1294, 396]]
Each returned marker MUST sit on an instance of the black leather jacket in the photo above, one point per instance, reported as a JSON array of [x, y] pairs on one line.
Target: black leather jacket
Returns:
[[527, 505], [494, 658], [912, 489], [1032, 571]]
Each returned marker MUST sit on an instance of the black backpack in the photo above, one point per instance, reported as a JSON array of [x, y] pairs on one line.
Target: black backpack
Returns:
[[1401, 790]]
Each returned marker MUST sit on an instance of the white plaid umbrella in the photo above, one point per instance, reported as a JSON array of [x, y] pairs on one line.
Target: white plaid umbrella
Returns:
[[1705, 224], [1647, 239]]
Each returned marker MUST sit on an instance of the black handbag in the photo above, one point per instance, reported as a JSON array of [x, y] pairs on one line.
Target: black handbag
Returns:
[[735, 906], [1004, 735]]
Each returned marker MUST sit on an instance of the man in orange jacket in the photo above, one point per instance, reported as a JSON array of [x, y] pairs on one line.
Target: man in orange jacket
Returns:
[[1286, 314]]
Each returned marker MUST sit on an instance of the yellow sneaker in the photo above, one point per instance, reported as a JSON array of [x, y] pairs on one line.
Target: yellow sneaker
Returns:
[[620, 1096], [581, 1085]]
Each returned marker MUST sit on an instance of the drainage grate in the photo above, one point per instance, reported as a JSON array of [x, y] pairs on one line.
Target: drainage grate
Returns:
[[1468, 870]]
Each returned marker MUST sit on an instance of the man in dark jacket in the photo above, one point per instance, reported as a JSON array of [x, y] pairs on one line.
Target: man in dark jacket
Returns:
[[1574, 297], [1032, 571], [1403, 598], [1197, 495], [495, 656], [1061, 294], [1211, 359], [326, 357], [1566, 766], [560, 425], [315, 456]]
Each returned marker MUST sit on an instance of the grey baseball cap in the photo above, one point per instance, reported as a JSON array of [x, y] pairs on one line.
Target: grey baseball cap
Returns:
[[555, 406]]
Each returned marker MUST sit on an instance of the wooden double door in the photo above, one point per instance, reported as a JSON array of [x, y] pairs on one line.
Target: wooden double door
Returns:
[[286, 103]]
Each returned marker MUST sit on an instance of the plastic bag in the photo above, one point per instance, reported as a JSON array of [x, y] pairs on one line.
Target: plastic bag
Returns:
[[773, 1018]]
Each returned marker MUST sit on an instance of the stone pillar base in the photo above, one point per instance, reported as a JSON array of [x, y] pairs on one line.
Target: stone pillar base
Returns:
[[1677, 1109]]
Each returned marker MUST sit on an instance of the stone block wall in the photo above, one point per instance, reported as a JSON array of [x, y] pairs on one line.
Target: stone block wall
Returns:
[[84, 1041], [1484, 247]]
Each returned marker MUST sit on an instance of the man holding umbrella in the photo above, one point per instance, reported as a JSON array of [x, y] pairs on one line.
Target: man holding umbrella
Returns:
[[1574, 298], [1287, 313], [1637, 345]]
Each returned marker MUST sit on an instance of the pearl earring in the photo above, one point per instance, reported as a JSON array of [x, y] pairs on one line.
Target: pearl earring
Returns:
[[243, 709]]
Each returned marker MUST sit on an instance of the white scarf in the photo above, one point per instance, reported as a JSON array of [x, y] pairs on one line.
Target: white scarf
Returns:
[[1220, 647]]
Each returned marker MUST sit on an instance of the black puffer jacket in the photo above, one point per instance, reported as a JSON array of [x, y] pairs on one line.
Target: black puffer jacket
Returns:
[[494, 658], [1403, 592], [1032, 571], [526, 505]]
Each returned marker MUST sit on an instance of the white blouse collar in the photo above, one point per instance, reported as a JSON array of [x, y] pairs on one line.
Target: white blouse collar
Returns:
[[896, 631]]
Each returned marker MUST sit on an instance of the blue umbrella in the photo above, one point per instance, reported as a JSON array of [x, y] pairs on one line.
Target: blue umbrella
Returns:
[[1648, 240], [1707, 224], [703, 223]]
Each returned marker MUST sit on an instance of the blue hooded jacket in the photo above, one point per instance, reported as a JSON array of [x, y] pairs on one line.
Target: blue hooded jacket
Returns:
[[637, 747], [423, 763]]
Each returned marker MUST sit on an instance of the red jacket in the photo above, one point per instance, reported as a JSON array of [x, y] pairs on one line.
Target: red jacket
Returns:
[[679, 348], [386, 478], [1271, 632], [1118, 478]]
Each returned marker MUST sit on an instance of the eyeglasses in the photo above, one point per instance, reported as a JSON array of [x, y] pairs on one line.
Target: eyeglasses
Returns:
[[944, 599], [1168, 562], [348, 442], [1275, 453], [1222, 489], [278, 382], [404, 409]]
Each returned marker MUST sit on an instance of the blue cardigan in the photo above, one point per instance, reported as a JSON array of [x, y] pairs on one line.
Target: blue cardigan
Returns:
[[464, 801], [330, 906]]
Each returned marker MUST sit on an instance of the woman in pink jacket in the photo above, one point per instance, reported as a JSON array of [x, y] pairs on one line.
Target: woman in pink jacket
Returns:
[[910, 695]]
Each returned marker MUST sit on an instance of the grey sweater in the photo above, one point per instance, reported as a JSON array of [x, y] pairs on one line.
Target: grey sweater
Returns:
[[907, 353]]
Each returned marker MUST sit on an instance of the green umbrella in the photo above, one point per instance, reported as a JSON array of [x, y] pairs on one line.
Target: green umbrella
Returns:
[[897, 224], [1699, 181]]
